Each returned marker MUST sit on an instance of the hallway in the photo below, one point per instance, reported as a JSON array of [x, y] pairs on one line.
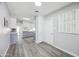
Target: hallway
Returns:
[[39, 29], [28, 48]]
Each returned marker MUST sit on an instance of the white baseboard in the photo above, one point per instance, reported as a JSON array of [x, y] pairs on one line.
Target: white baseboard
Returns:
[[63, 50], [38, 41], [66, 51], [6, 50]]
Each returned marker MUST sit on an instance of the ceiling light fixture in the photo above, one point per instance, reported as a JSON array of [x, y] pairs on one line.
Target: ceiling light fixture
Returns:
[[38, 3], [26, 19]]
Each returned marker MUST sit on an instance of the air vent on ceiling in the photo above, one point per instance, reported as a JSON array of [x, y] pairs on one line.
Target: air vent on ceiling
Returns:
[[36, 11]]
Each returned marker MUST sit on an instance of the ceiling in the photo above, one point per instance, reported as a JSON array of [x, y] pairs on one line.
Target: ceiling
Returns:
[[27, 9]]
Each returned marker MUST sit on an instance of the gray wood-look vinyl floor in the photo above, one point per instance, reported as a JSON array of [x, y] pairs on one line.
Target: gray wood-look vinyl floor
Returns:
[[28, 48]]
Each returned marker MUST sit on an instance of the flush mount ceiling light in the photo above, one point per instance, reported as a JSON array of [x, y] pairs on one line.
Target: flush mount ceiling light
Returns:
[[38, 3], [26, 18]]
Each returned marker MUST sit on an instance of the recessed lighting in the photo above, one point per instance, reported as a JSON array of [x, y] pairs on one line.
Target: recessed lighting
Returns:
[[38, 3]]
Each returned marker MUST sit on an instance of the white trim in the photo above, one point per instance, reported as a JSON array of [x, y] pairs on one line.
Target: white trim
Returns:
[[66, 51], [62, 49], [38, 41], [6, 51]]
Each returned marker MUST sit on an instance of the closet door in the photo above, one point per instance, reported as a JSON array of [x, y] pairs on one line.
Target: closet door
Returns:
[[67, 22], [48, 26], [77, 20], [72, 21], [55, 23], [51, 32], [61, 23]]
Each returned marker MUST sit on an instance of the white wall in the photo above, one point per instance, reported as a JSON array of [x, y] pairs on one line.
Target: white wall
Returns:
[[4, 32], [39, 28], [4, 40], [53, 25], [3, 13], [13, 22], [68, 42], [48, 30]]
